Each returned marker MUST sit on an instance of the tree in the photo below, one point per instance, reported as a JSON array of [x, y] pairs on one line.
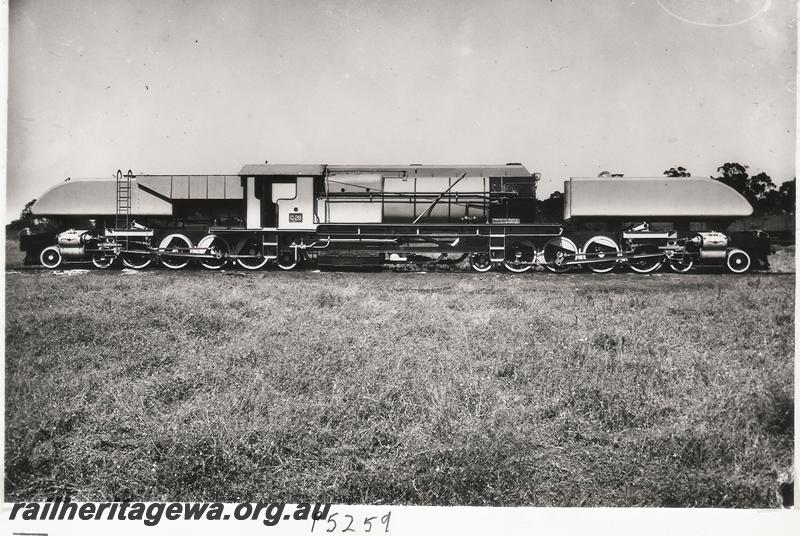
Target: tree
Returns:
[[26, 213], [677, 172], [734, 175], [766, 195], [760, 185], [786, 199], [25, 218], [759, 190]]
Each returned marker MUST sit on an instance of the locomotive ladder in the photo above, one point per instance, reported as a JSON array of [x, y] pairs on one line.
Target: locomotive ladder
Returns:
[[497, 244], [270, 245], [123, 218]]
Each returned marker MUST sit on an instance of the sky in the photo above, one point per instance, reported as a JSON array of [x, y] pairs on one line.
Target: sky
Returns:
[[568, 88]]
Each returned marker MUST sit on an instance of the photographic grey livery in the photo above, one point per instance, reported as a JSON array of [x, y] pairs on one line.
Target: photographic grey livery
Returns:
[[325, 215]]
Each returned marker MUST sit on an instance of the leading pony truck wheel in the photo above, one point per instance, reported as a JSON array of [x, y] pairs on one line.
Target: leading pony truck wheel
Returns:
[[51, 257], [738, 261]]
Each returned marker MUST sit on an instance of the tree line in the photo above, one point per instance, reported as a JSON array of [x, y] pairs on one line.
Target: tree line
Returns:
[[759, 190]]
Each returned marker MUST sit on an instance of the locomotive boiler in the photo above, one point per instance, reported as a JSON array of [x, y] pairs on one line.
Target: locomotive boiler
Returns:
[[293, 215]]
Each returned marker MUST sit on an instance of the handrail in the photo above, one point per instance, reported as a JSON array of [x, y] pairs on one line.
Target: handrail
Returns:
[[433, 203]]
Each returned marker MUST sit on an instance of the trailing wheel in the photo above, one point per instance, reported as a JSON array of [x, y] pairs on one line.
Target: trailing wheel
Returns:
[[102, 260], [738, 261], [287, 260], [648, 264], [51, 257], [217, 247], [480, 262], [556, 250], [601, 247], [519, 258], [176, 243], [251, 248]]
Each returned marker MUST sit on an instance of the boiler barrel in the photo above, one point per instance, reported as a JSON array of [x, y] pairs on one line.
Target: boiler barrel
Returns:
[[373, 198]]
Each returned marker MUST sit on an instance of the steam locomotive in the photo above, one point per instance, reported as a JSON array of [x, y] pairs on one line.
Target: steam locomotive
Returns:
[[293, 215]]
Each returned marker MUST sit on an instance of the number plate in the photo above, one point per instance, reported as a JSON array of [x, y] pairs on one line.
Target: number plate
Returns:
[[295, 216]]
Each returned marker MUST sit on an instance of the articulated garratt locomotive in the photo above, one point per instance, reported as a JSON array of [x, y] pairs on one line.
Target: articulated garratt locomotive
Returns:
[[294, 215]]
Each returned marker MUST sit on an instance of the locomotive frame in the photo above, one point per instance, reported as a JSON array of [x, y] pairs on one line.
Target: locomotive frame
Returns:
[[373, 215]]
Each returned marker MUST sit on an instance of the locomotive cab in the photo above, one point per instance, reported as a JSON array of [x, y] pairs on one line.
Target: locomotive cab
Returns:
[[280, 196], [519, 205]]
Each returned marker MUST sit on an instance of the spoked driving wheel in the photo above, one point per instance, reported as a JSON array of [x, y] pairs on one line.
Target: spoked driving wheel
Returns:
[[558, 250], [215, 249], [480, 262], [519, 258], [136, 260], [102, 260], [601, 247], [681, 264], [252, 257], [646, 265], [175, 243]]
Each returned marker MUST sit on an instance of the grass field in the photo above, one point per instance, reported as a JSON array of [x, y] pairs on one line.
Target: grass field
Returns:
[[420, 388]]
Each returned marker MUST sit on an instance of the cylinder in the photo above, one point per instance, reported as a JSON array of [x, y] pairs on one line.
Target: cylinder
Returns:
[[716, 256], [71, 252]]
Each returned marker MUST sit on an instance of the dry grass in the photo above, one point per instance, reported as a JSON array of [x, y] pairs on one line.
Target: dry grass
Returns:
[[783, 261], [442, 388]]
